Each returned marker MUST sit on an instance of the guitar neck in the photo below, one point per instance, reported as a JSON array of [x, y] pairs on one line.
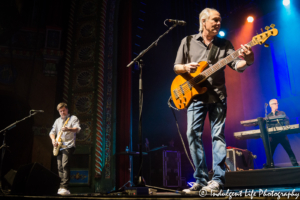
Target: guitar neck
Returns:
[[60, 132], [208, 72]]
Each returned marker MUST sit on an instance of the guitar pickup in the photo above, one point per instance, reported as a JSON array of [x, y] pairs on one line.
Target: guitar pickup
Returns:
[[189, 85], [181, 88], [176, 94]]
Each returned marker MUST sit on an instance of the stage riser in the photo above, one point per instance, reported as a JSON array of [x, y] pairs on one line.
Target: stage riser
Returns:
[[263, 178]]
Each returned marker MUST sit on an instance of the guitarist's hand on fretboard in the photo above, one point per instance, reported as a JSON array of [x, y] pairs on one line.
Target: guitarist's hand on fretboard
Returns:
[[247, 53], [65, 129]]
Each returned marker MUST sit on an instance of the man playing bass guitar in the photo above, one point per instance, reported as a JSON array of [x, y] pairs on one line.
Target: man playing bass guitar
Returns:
[[206, 46]]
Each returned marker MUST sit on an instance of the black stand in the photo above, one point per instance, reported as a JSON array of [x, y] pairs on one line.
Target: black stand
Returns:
[[138, 60], [4, 146], [266, 142]]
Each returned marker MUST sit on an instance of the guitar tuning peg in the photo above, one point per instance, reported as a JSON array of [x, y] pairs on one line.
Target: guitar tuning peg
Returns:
[[267, 28], [272, 25], [262, 30], [266, 45]]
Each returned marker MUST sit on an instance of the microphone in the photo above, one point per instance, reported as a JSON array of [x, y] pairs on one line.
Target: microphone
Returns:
[[266, 104], [37, 111], [178, 22]]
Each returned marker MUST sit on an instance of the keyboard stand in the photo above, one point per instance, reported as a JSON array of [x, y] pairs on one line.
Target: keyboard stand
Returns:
[[266, 141]]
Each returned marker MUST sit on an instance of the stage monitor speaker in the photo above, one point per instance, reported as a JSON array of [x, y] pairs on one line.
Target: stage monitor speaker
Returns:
[[10, 176], [35, 179]]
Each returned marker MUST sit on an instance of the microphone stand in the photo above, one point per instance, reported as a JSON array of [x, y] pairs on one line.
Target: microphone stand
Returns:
[[139, 61], [4, 146]]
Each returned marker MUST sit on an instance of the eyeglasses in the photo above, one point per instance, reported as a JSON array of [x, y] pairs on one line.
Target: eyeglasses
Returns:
[[274, 103]]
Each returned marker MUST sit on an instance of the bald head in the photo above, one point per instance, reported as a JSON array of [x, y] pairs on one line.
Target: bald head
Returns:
[[273, 104]]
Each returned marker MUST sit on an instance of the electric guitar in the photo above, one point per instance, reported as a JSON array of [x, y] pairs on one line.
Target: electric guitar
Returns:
[[58, 140], [186, 86]]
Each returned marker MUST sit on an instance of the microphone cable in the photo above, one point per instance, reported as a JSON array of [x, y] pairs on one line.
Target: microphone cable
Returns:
[[187, 155]]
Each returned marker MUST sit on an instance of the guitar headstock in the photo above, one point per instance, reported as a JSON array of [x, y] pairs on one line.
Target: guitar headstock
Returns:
[[262, 38]]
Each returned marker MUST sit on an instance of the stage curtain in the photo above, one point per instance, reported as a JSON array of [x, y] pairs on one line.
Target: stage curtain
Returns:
[[123, 91]]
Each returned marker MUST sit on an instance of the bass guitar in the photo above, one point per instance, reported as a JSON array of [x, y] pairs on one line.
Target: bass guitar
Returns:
[[188, 85]]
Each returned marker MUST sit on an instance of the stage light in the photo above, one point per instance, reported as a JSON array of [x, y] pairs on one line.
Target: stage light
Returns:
[[222, 33], [190, 184], [286, 2], [250, 19]]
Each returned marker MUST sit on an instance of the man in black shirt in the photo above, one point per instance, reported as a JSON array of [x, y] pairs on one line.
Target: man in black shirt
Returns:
[[197, 48], [280, 138]]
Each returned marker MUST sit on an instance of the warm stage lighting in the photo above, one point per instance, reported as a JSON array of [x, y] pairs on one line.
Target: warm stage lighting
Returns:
[[250, 19], [222, 33], [286, 2]]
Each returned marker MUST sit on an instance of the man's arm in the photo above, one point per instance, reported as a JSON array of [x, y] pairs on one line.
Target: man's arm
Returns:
[[74, 130], [75, 125], [242, 65], [53, 133], [248, 56], [286, 120], [183, 68], [52, 136]]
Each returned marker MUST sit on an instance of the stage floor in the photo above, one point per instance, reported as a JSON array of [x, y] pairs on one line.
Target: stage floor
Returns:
[[250, 193], [274, 183]]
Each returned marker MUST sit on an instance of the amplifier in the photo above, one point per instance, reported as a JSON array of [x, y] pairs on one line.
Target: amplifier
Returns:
[[239, 159], [166, 169]]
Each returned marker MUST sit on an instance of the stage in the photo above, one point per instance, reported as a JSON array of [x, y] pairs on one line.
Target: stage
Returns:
[[248, 184], [263, 193]]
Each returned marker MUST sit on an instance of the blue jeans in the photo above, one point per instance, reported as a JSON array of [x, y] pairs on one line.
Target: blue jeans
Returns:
[[196, 114]]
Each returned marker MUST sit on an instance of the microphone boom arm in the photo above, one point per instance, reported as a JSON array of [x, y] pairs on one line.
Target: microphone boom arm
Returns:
[[152, 45]]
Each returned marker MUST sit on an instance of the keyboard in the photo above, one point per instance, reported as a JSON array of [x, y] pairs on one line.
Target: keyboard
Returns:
[[253, 122], [254, 134]]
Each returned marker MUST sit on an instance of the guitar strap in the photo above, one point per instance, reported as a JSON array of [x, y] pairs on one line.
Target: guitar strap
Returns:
[[188, 44], [213, 50]]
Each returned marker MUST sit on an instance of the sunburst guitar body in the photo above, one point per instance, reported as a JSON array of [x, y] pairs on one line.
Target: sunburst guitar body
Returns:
[[188, 85]]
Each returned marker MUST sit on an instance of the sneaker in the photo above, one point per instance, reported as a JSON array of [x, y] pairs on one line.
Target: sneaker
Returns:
[[212, 187], [194, 189], [58, 192], [64, 191]]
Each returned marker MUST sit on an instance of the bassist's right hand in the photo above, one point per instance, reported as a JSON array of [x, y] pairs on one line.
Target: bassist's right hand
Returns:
[[191, 67]]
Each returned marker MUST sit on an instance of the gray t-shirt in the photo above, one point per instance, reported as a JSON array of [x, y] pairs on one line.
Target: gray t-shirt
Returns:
[[193, 49], [68, 138]]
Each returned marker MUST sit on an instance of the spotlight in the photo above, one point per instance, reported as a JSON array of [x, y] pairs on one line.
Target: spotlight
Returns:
[[250, 19], [286, 2], [222, 33]]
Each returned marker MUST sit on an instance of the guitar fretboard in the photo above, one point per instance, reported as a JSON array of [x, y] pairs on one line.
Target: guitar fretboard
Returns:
[[208, 72]]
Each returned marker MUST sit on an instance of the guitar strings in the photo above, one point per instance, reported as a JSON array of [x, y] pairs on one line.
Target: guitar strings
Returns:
[[206, 73]]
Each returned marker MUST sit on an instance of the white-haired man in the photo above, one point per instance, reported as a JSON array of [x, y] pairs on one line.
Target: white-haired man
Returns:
[[280, 138], [193, 49]]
